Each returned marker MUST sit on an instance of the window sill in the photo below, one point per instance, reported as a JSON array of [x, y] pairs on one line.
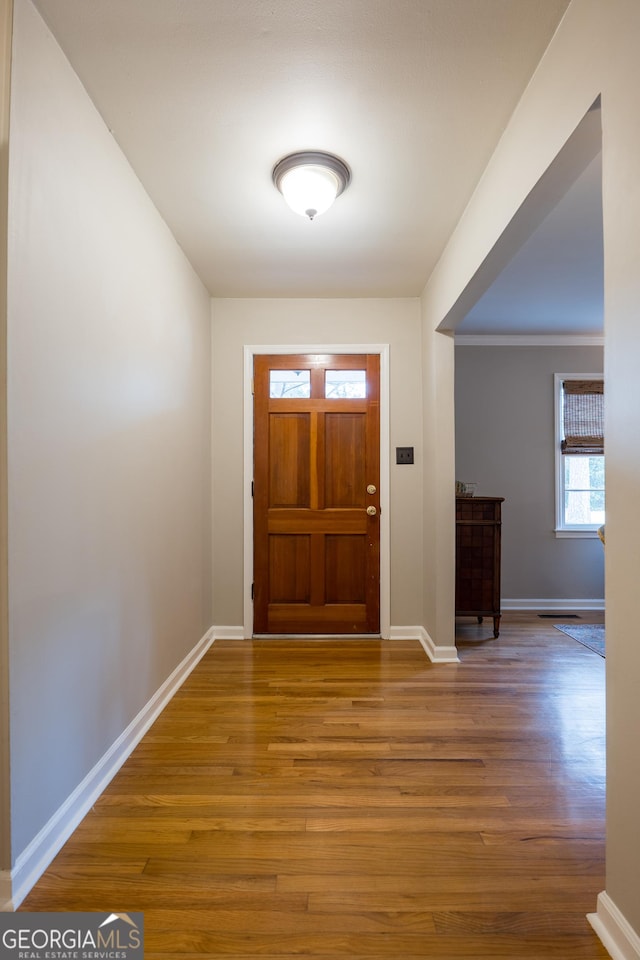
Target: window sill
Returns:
[[591, 534]]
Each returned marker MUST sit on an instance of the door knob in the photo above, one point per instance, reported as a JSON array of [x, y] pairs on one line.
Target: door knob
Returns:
[[371, 489], [371, 511]]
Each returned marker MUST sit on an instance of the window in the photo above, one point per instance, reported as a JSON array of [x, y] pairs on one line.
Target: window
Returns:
[[579, 454], [345, 384], [289, 383]]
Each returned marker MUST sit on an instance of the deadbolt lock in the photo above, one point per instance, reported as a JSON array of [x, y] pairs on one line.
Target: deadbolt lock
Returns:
[[371, 489]]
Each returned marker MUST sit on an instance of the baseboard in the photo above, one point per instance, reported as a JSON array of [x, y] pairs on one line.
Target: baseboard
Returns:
[[435, 652], [35, 859], [551, 606], [616, 933], [227, 633]]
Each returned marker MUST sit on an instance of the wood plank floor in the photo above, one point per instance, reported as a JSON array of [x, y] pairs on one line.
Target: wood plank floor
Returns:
[[348, 799]]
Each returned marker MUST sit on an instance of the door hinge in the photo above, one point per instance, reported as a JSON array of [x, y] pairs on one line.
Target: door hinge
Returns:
[[252, 586], [252, 488]]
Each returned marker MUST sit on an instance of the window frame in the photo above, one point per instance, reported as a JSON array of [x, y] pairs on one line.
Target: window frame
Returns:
[[562, 529]]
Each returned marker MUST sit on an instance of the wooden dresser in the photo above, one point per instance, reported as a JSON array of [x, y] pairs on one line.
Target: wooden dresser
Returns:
[[478, 523]]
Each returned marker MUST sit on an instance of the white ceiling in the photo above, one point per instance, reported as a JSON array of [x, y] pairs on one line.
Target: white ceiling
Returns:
[[204, 96]]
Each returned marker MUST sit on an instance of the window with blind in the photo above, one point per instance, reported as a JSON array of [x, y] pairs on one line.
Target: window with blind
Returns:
[[579, 454]]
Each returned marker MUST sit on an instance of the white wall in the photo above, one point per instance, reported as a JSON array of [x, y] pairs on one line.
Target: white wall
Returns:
[[621, 208], [593, 52], [109, 433], [240, 322], [438, 503], [6, 17], [505, 440]]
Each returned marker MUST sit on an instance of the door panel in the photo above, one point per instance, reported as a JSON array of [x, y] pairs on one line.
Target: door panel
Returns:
[[289, 441], [345, 470], [316, 451], [289, 568], [345, 569]]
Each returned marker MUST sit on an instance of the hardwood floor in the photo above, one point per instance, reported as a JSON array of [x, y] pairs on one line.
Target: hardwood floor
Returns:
[[348, 799]]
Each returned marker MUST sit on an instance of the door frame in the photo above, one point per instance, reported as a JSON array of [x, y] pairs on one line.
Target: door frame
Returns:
[[250, 351]]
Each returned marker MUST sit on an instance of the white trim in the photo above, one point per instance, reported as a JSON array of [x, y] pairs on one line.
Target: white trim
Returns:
[[528, 340], [552, 606], [407, 633], [228, 633], [557, 451], [250, 350], [588, 533], [436, 653], [614, 930], [37, 856]]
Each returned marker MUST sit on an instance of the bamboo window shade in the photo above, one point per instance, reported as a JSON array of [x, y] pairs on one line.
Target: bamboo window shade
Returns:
[[583, 416]]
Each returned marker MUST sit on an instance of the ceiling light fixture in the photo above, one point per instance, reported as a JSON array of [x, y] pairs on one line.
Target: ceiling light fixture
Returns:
[[310, 181]]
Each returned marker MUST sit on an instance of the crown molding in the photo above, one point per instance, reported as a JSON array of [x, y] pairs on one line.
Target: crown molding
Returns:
[[528, 340]]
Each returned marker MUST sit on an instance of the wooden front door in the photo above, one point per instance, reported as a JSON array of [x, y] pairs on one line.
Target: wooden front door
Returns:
[[316, 494]]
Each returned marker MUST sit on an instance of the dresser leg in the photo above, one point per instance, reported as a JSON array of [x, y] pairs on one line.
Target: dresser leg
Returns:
[[496, 626]]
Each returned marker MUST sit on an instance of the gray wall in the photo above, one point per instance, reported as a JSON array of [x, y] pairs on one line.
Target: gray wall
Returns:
[[504, 393], [109, 438], [237, 322]]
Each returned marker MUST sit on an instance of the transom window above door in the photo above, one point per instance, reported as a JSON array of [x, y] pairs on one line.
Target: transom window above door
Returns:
[[344, 382], [289, 384]]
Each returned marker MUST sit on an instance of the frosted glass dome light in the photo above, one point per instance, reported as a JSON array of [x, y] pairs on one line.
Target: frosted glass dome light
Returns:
[[311, 181]]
